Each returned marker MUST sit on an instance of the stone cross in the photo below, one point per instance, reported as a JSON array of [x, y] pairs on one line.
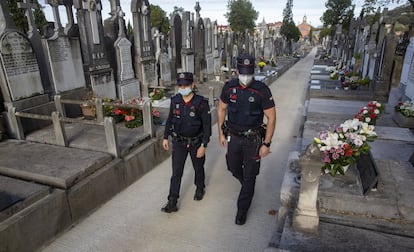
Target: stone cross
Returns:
[[114, 8], [121, 22], [27, 6], [92, 7]]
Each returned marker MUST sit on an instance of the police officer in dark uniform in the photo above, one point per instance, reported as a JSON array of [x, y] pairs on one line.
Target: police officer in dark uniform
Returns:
[[246, 102], [189, 124]]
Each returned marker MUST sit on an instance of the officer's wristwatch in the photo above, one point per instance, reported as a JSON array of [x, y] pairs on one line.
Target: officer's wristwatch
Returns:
[[203, 145], [267, 144]]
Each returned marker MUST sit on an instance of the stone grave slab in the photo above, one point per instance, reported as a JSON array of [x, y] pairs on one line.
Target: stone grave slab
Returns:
[[17, 194], [49, 164]]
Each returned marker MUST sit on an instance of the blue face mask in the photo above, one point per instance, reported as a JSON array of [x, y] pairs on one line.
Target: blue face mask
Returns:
[[185, 91]]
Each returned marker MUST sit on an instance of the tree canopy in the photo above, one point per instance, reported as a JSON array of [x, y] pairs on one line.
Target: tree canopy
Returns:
[[289, 29], [338, 12], [370, 6], [241, 15], [159, 19]]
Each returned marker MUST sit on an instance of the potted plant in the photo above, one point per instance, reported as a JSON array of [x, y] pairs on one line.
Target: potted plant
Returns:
[[404, 114], [88, 106]]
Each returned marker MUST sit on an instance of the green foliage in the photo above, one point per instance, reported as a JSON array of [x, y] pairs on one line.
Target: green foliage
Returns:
[[241, 15], [159, 19], [19, 18], [338, 11], [289, 29], [130, 31]]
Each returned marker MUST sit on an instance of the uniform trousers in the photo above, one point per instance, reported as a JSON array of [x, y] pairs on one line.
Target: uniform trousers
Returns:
[[243, 161], [180, 151]]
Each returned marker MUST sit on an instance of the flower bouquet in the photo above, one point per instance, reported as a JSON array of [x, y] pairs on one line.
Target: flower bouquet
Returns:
[[157, 94], [343, 146], [405, 108], [371, 113]]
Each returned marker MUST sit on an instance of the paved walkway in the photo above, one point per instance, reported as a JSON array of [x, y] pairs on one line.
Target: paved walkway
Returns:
[[132, 220]]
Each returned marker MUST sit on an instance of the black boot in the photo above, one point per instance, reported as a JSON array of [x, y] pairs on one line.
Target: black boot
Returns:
[[199, 193], [241, 218], [171, 206]]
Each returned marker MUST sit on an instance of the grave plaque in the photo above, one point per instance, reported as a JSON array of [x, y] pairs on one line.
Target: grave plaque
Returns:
[[368, 172], [19, 67]]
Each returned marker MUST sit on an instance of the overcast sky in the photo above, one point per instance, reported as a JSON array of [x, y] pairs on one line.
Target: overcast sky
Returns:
[[269, 10]]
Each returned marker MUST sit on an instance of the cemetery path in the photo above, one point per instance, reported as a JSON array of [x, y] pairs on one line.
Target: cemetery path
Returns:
[[132, 220]]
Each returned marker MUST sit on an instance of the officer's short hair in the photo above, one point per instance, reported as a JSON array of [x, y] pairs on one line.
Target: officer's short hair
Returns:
[[245, 64], [185, 78]]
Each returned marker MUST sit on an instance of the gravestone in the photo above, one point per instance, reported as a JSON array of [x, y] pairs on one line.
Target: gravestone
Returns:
[[216, 51], [98, 73], [199, 46], [407, 75], [36, 43], [209, 49], [128, 85], [386, 53], [176, 43], [145, 65], [111, 31], [64, 57], [19, 71], [187, 50]]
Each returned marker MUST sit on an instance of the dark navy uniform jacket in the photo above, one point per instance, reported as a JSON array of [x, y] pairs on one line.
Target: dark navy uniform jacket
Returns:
[[246, 104], [189, 119]]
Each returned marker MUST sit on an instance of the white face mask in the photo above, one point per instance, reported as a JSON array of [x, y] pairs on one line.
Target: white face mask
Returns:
[[245, 79], [185, 91]]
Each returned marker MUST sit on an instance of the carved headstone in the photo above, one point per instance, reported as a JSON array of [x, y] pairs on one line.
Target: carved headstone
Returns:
[[98, 73], [187, 51], [200, 63], [64, 57], [407, 75], [36, 42], [128, 85], [176, 40], [145, 68]]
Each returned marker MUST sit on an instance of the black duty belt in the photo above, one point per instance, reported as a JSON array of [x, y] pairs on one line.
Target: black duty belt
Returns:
[[187, 139], [247, 133]]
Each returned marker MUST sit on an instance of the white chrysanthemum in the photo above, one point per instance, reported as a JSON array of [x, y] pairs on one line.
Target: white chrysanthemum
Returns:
[[377, 111], [350, 124], [367, 119], [365, 111]]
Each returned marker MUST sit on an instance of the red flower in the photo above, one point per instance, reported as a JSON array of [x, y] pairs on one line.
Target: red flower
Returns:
[[119, 111]]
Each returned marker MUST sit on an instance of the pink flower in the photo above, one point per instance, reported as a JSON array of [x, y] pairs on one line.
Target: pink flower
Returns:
[[129, 118]]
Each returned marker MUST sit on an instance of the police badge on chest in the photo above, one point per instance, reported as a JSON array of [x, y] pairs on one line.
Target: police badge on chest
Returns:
[[233, 96]]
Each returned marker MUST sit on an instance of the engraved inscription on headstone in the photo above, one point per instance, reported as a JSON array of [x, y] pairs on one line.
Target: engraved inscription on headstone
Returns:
[[125, 71], [65, 64], [20, 66], [129, 90]]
